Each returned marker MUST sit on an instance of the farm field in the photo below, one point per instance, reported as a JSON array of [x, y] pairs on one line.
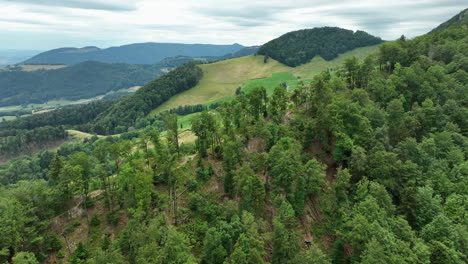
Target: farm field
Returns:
[[52, 105]]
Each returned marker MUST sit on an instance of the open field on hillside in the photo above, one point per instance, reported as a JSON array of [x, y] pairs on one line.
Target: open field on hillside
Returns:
[[28, 67], [54, 104], [79, 135], [221, 79], [7, 118]]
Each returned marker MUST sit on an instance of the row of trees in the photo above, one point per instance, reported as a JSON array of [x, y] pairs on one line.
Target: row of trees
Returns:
[[18, 142], [126, 111]]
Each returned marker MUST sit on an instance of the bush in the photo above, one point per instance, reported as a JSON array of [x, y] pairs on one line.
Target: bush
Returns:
[[53, 243], [112, 218], [95, 221]]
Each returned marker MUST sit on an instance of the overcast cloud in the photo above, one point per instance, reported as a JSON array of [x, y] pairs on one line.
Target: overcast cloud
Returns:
[[47, 24]]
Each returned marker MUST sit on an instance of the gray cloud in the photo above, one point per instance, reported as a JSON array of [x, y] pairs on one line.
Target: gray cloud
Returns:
[[82, 4], [211, 21]]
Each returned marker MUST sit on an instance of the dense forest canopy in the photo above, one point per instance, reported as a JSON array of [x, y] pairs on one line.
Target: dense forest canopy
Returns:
[[299, 47], [139, 53], [125, 112], [365, 164], [90, 79], [82, 81]]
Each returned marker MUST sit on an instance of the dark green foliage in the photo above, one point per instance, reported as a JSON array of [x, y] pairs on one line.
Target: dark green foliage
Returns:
[[213, 250], [82, 81], [14, 142], [106, 243], [126, 111], [94, 221], [53, 243], [80, 254], [74, 115], [299, 47], [367, 165], [285, 243]]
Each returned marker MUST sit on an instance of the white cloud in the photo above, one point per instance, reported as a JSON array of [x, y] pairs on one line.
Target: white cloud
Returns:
[[46, 24]]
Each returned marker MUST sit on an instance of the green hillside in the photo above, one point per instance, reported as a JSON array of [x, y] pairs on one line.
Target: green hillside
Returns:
[[138, 53], [461, 19], [221, 79], [299, 47], [82, 81], [366, 164]]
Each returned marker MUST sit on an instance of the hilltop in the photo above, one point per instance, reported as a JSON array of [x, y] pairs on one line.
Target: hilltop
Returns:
[[139, 53], [222, 79], [299, 47]]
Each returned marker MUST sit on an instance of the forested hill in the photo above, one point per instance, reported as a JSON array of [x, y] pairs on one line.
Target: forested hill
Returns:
[[299, 47], [126, 111], [80, 81], [461, 19], [367, 164], [140, 53], [89, 79]]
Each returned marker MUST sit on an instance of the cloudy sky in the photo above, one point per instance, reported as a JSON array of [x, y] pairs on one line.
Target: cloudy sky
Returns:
[[47, 24]]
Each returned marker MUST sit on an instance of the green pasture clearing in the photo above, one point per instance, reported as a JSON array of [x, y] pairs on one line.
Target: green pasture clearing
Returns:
[[221, 79]]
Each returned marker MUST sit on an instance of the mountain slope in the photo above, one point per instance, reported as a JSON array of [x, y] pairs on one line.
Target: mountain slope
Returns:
[[221, 79], [359, 166], [140, 53], [26, 84], [299, 47], [461, 19], [84, 80], [125, 112]]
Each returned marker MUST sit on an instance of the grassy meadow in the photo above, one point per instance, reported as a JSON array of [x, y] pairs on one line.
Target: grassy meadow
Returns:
[[221, 79]]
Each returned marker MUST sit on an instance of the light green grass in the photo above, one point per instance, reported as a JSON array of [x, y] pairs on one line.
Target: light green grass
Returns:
[[7, 118], [54, 104], [221, 79], [272, 82], [184, 121]]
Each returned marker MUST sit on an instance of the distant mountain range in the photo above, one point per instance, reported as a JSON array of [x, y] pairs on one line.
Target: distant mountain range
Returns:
[[9, 57], [139, 53], [88, 79]]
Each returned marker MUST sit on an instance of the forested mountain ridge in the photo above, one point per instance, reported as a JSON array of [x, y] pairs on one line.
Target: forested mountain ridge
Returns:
[[139, 53], [89, 79], [126, 111], [460, 19], [81, 81], [364, 164], [299, 47]]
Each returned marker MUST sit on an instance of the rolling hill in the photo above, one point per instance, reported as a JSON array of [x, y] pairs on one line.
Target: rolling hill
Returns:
[[221, 79], [139, 53], [299, 47], [80, 81], [364, 165]]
